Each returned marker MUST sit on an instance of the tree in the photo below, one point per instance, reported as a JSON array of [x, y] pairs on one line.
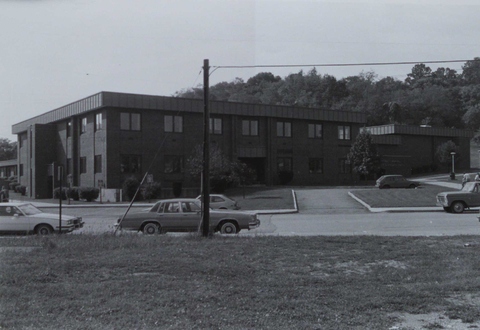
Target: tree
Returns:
[[8, 149], [363, 155], [471, 72], [444, 150]]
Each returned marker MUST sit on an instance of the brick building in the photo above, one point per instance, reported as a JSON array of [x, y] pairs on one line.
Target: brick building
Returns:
[[107, 137]]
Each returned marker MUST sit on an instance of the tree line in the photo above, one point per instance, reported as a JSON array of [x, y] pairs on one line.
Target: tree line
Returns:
[[439, 98]]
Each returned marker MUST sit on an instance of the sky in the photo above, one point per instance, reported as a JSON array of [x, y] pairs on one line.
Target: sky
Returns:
[[54, 52]]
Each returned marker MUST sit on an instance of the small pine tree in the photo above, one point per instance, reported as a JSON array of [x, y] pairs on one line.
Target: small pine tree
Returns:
[[363, 155]]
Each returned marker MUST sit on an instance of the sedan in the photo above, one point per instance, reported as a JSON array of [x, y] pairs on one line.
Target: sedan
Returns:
[[221, 202], [184, 215], [395, 181], [25, 218]]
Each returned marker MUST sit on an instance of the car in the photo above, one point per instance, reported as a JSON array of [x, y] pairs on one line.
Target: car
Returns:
[[184, 215], [25, 218], [458, 201], [395, 181], [221, 202]]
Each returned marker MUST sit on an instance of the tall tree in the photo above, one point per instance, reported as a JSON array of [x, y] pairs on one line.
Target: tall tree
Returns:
[[8, 149], [471, 72], [363, 155]]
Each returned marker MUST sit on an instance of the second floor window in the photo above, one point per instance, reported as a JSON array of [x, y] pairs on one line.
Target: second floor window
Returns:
[[315, 131], [98, 121], [216, 126], [83, 129], [173, 124], [344, 132], [250, 127], [130, 121], [284, 128]]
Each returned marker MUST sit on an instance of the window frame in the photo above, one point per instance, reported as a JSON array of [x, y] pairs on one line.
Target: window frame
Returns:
[[344, 166], [98, 121], [127, 121], [284, 129], [213, 129], [250, 127], [131, 159], [97, 164], [284, 168], [174, 124], [83, 165], [313, 130], [318, 165], [83, 125], [173, 162], [343, 131]]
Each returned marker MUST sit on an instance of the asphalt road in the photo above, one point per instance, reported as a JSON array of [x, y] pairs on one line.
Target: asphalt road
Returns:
[[324, 212]]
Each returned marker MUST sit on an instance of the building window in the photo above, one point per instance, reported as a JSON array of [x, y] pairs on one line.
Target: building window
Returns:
[[344, 166], [344, 132], [98, 164], [284, 129], [250, 127], [21, 169], [130, 163], [284, 164], [216, 126], [315, 131], [83, 128], [69, 166], [83, 164], [98, 121], [173, 164], [130, 121], [173, 124], [315, 165]]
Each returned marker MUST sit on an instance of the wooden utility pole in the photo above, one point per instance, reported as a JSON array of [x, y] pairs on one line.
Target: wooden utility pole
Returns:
[[206, 153]]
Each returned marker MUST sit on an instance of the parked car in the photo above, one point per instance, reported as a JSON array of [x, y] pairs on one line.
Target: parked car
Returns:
[[184, 214], [395, 181], [458, 201], [25, 218], [221, 202]]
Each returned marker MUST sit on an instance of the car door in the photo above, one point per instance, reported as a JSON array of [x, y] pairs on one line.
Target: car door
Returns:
[[12, 220], [191, 216], [473, 198]]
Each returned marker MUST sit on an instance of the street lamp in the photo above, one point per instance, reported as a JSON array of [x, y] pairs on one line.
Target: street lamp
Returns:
[[452, 175]]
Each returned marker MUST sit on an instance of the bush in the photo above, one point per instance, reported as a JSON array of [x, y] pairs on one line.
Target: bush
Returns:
[[56, 193], [285, 177], [21, 190], [152, 191], [88, 193], [177, 189], [74, 193], [130, 186], [13, 185]]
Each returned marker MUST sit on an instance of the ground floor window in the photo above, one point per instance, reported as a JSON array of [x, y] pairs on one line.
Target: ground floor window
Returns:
[[344, 166], [83, 165], [130, 163], [98, 163], [173, 164], [315, 165]]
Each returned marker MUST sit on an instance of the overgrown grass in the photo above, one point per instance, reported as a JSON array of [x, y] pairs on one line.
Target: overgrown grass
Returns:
[[187, 282]]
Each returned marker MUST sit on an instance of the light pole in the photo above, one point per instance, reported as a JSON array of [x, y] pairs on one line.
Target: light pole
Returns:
[[452, 175]]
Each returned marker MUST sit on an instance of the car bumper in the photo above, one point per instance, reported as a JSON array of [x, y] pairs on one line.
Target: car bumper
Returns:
[[254, 223]]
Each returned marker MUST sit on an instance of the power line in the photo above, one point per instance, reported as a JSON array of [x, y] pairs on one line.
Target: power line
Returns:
[[332, 64]]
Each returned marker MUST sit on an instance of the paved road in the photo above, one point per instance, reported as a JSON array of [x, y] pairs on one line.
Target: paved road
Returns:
[[325, 212]]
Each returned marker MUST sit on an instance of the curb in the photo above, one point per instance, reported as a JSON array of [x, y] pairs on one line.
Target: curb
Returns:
[[396, 209]]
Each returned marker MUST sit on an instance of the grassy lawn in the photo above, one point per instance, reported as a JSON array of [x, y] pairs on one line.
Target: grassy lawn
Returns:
[[187, 282], [420, 197]]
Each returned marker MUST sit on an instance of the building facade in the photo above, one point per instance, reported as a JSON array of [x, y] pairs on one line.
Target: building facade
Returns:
[[108, 137]]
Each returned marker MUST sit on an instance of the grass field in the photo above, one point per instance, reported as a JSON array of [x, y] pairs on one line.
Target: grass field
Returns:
[[187, 282]]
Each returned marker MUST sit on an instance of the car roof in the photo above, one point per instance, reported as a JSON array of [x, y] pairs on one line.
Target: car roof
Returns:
[[178, 200], [15, 204]]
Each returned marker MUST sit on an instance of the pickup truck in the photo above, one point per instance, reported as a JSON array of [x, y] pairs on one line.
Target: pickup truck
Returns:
[[458, 201]]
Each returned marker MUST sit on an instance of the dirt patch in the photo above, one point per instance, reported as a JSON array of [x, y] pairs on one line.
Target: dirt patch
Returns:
[[430, 321]]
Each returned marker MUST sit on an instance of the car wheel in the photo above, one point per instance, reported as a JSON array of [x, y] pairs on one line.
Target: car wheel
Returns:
[[151, 229], [386, 186], [412, 186], [43, 230], [457, 207], [228, 228]]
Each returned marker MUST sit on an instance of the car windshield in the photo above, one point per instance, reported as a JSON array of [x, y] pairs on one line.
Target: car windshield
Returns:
[[470, 187], [29, 209]]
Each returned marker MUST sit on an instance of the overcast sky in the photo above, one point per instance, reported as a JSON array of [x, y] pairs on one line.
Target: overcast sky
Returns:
[[54, 52]]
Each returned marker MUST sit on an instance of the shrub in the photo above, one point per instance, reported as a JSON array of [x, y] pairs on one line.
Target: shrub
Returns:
[[56, 193], [12, 185], [21, 190], [88, 193], [130, 186], [74, 193], [152, 190], [285, 177], [177, 189]]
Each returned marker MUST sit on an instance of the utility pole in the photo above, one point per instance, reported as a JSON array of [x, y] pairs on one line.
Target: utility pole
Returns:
[[206, 152]]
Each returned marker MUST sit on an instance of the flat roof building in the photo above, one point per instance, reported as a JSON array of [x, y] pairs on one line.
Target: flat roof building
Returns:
[[108, 137]]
